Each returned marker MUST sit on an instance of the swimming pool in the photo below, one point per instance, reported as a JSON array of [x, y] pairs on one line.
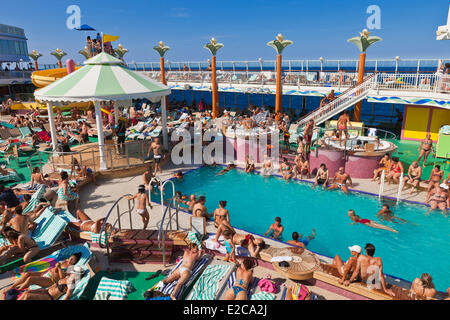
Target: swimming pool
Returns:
[[254, 202]]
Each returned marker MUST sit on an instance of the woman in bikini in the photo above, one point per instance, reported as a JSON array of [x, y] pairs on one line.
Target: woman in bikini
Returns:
[[85, 223], [47, 278], [249, 165], [267, 166], [435, 180], [79, 172], [423, 288], [221, 214], [64, 192], [19, 244], [439, 199], [414, 173], [301, 146], [426, 146], [244, 276], [357, 219], [62, 287], [286, 170], [233, 239], [396, 171]]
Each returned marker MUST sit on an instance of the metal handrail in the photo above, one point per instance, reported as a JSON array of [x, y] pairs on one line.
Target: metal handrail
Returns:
[[102, 229], [162, 235]]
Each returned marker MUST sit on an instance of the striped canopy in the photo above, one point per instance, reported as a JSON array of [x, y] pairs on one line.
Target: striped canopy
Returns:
[[103, 78]]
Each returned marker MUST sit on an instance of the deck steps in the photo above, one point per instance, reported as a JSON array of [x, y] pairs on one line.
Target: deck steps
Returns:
[[140, 246]]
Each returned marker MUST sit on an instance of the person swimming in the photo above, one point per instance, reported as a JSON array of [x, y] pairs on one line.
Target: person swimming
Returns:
[[357, 219], [386, 214], [276, 229], [228, 168]]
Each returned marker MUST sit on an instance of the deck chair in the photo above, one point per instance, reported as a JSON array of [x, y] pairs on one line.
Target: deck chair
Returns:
[[14, 132], [7, 125], [110, 289], [155, 133], [199, 266], [49, 228], [212, 281], [25, 132], [4, 134], [11, 176], [35, 199]]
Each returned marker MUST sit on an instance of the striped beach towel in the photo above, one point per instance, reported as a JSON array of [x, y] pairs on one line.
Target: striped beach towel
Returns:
[[49, 228], [262, 296], [198, 267], [35, 199], [111, 289], [207, 285], [193, 238]]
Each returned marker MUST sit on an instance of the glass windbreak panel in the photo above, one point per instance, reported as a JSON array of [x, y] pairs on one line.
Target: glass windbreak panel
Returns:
[[429, 65], [348, 65], [254, 65], [407, 65], [386, 65], [296, 65], [269, 65], [240, 65]]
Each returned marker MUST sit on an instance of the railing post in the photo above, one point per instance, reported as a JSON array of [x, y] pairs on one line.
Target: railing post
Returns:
[[129, 214], [118, 216]]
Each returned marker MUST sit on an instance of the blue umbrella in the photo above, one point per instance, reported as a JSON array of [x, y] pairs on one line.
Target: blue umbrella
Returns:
[[85, 27]]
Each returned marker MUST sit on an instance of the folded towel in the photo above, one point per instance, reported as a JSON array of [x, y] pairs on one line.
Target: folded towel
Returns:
[[281, 258]]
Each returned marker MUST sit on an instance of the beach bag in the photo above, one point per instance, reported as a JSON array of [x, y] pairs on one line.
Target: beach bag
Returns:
[[300, 292], [268, 285]]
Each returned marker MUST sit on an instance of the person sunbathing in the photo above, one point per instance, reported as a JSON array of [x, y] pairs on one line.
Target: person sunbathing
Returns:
[[244, 277], [19, 244], [64, 192], [435, 180], [286, 170], [184, 271], [369, 267], [87, 224], [321, 176], [37, 179], [221, 214], [228, 168], [62, 287], [21, 222], [233, 239], [347, 269], [47, 278], [357, 219], [423, 288], [396, 171], [78, 171], [301, 166], [339, 181]]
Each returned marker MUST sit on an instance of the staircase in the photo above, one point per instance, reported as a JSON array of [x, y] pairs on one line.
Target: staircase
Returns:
[[139, 246], [344, 101]]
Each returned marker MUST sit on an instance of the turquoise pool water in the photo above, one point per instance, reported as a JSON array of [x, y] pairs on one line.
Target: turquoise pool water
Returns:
[[254, 202]]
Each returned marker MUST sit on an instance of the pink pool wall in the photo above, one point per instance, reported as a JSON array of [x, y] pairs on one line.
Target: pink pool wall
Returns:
[[332, 159], [362, 167]]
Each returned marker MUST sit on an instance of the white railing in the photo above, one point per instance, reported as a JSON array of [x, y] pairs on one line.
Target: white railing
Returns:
[[436, 83], [342, 102]]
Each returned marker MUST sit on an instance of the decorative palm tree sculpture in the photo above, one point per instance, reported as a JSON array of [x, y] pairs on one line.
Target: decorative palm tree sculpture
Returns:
[[84, 52], [162, 49], [120, 51], [363, 42], [59, 54], [279, 44], [35, 56], [213, 47]]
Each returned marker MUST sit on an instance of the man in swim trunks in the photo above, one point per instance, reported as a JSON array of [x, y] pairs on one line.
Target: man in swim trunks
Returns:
[[199, 209], [368, 266], [301, 166], [387, 215], [340, 179], [244, 276], [21, 222], [184, 271], [321, 176], [143, 202], [276, 228], [157, 150], [414, 174], [435, 180], [308, 133], [342, 122], [357, 219], [425, 148], [346, 269]]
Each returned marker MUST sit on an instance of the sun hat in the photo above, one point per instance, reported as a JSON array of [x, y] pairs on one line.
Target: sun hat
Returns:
[[444, 186], [355, 248], [77, 270]]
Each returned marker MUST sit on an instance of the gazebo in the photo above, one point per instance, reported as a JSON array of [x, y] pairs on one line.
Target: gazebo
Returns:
[[103, 78]]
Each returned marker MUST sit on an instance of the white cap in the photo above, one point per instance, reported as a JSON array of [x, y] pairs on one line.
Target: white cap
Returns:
[[77, 270], [355, 248], [444, 186]]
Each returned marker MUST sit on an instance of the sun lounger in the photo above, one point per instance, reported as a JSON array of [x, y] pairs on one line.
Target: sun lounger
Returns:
[[11, 176], [35, 199], [198, 268], [110, 289], [6, 125], [212, 281], [25, 132], [14, 132], [4, 134], [155, 133]]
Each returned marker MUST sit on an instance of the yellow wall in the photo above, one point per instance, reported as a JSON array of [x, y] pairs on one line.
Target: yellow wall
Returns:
[[440, 118], [416, 123]]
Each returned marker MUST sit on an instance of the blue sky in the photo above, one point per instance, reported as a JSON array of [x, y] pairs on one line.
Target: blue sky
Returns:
[[317, 27]]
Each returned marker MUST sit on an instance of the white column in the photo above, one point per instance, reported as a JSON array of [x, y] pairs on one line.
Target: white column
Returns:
[[116, 113], [101, 138], [164, 123], [51, 121]]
